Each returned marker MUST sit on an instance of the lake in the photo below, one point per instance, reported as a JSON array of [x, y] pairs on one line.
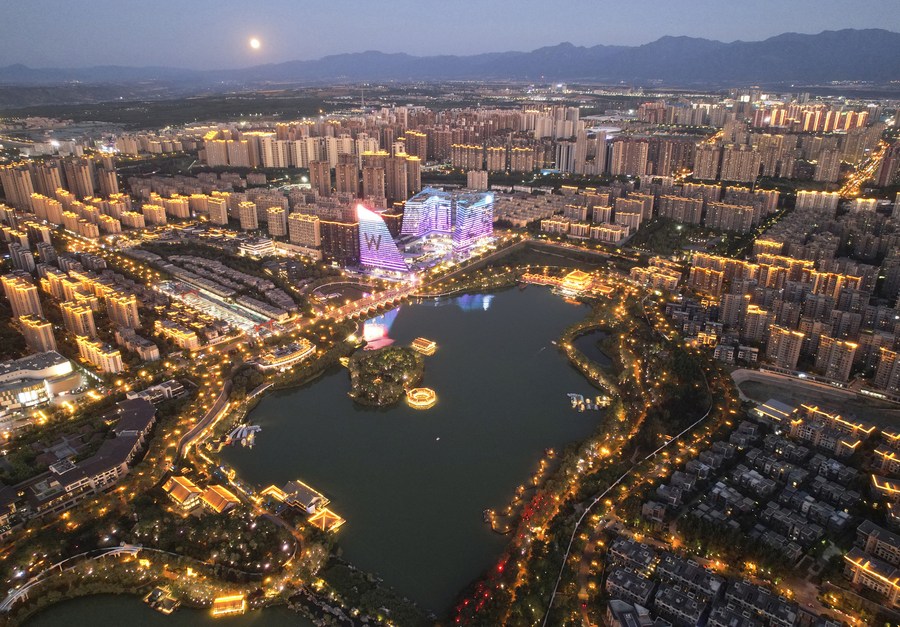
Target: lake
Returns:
[[413, 484]]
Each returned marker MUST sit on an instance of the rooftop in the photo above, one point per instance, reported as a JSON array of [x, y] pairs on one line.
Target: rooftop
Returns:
[[775, 409], [135, 415], [303, 494], [869, 528], [37, 362], [219, 499], [180, 489]]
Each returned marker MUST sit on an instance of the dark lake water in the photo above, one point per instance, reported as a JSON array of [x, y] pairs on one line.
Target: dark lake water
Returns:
[[588, 344], [413, 484]]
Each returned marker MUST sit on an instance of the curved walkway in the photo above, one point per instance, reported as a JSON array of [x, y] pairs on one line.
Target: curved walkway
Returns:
[[22, 592], [622, 478]]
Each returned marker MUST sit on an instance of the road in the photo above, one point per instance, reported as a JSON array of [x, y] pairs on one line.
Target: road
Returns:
[[208, 419], [866, 171]]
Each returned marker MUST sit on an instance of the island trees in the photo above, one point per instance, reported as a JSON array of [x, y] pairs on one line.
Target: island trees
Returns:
[[380, 378]]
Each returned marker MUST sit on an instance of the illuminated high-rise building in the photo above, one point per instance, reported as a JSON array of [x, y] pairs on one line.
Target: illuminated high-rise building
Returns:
[[320, 177], [21, 257], [47, 177], [473, 220], [629, 157], [17, 184], [395, 178], [887, 375], [834, 358], [102, 356], [681, 209], [756, 324], [477, 180], [733, 309], [346, 174], [565, 156], [277, 219], [417, 144], [725, 217], [784, 346], [177, 206], [413, 176], [80, 176], [522, 159], [889, 171], [377, 249], [239, 153], [467, 156], [218, 209], [428, 212], [466, 216], [340, 241], [740, 163], [38, 334], [22, 294], [373, 182], [48, 209], [108, 182], [828, 166], [154, 215], [123, 310], [495, 158], [216, 150], [133, 220], [78, 319], [812, 199], [304, 230], [248, 216], [706, 162]]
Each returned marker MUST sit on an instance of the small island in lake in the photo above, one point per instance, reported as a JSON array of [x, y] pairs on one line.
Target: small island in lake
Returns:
[[380, 378]]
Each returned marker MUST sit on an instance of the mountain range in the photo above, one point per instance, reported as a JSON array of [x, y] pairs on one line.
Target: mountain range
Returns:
[[871, 55]]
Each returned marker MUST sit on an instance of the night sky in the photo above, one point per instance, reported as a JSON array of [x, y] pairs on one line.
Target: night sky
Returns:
[[210, 34]]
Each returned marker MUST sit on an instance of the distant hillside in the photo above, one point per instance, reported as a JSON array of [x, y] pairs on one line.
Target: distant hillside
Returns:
[[845, 55]]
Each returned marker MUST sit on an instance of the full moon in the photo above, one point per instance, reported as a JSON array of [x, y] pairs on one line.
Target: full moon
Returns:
[[254, 43]]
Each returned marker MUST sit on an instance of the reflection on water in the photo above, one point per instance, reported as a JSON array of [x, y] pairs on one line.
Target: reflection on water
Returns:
[[475, 302], [466, 302], [377, 331]]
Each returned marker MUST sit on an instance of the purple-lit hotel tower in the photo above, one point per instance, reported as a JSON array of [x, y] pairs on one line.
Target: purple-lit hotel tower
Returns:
[[468, 217], [473, 220], [376, 246]]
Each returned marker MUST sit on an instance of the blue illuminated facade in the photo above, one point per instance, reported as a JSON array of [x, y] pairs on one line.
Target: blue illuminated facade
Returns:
[[377, 248], [473, 220], [467, 217], [428, 213]]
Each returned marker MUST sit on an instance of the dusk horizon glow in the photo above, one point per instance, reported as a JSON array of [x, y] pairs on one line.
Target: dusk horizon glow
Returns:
[[209, 35]]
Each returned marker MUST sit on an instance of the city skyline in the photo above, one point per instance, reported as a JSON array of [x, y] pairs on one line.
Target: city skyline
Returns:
[[99, 33], [603, 333]]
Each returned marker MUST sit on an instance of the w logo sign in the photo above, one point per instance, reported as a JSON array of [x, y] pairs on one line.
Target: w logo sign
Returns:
[[373, 241]]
